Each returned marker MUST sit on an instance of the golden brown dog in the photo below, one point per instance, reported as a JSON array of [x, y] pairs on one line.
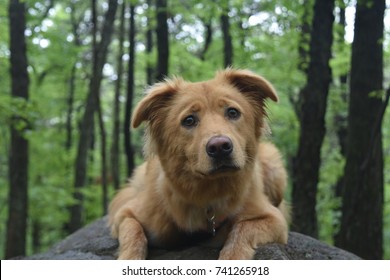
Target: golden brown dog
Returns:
[[206, 173]]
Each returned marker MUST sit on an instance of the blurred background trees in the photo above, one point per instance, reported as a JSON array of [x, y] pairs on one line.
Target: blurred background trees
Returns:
[[72, 70]]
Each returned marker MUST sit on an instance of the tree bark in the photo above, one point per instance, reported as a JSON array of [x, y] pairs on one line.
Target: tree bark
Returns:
[[69, 113], [130, 93], [86, 126], [361, 230], [162, 40], [19, 150], [103, 152], [227, 38], [208, 38], [71, 81], [149, 46], [115, 150], [313, 99]]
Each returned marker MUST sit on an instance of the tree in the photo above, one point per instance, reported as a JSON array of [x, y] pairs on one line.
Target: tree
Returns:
[[227, 38], [361, 229], [115, 166], [86, 126], [103, 154], [208, 37], [149, 45], [130, 93], [72, 80], [313, 99], [162, 40], [19, 150]]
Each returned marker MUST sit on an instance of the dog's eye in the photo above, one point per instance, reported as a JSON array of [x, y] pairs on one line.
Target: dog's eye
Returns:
[[189, 121], [232, 113]]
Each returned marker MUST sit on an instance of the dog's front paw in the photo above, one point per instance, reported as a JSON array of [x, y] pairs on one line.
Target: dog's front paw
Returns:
[[134, 254], [236, 254], [132, 240]]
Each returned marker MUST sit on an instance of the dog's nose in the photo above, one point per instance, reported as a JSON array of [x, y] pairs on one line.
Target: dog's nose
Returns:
[[219, 147]]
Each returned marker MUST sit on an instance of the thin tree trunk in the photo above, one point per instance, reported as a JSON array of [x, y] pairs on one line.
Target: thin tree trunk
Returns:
[[71, 81], [86, 127], [149, 45], [103, 142], [69, 114], [312, 120], [103, 151], [227, 38], [162, 40], [208, 38], [70, 104], [361, 230], [19, 151], [130, 93], [115, 162]]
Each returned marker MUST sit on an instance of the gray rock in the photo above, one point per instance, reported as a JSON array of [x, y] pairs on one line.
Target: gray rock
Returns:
[[94, 243]]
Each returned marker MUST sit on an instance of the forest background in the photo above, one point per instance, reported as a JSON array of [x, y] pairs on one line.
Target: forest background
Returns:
[[71, 71]]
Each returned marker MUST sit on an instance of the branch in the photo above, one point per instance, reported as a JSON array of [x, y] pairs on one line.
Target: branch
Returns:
[[375, 131]]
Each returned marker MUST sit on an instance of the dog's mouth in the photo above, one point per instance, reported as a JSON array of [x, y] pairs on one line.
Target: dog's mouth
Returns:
[[220, 168], [223, 168]]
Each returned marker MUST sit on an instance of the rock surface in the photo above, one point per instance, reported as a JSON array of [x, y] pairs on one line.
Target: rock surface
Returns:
[[94, 243]]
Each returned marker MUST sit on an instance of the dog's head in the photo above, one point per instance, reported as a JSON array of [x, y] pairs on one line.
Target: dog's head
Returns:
[[206, 128]]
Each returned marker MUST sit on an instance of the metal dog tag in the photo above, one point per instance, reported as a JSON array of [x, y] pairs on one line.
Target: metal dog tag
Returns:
[[210, 221]]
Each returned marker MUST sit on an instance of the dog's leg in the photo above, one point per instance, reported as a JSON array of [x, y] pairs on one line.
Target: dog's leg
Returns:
[[131, 237], [247, 235]]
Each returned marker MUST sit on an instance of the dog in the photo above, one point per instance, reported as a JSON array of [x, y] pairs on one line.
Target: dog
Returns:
[[207, 175]]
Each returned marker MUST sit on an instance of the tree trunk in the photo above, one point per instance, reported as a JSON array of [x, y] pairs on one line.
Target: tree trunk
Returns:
[[130, 93], [162, 40], [69, 113], [115, 150], [149, 45], [207, 38], [227, 38], [86, 126], [71, 81], [313, 99], [361, 229], [103, 152], [18, 157]]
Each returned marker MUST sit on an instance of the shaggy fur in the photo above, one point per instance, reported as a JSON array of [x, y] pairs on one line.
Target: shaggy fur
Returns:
[[204, 160]]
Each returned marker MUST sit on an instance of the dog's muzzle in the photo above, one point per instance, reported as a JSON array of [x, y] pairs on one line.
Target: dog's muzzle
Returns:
[[220, 149]]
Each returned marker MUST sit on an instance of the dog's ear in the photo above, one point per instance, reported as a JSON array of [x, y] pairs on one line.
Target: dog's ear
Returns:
[[250, 83], [155, 100]]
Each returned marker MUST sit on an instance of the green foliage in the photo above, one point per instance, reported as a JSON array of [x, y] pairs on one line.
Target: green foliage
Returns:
[[340, 63], [328, 205]]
